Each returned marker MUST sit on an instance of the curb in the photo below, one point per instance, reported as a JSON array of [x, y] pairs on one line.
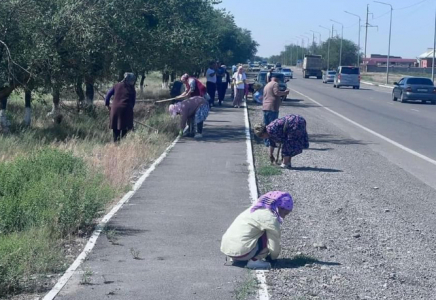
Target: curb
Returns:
[[376, 84]]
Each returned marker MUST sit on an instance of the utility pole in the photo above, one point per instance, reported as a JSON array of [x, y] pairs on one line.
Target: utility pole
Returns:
[[342, 39], [358, 39], [366, 28], [434, 48], [328, 47], [389, 45]]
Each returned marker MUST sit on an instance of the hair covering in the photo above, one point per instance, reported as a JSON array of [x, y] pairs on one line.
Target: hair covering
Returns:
[[240, 68], [223, 66], [175, 109], [184, 77], [259, 129], [273, 201], [129, 78]]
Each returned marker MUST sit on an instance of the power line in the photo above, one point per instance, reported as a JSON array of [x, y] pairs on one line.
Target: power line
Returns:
[[411, 5]]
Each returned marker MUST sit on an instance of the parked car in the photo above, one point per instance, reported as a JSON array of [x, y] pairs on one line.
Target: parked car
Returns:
[[288, 73], [414, 88], [328, 76], [347, 76]]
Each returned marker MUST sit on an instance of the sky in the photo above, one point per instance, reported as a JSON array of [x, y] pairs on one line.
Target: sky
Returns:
[[276, 23]]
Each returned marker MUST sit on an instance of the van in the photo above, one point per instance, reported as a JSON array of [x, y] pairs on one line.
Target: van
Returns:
[[347, 76]]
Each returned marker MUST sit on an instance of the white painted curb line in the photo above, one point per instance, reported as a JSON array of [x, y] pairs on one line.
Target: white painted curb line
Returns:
[[93, 239], [380, 85], [252, 185]]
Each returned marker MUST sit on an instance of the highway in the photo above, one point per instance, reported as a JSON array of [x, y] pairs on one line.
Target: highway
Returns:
[[405, 133]]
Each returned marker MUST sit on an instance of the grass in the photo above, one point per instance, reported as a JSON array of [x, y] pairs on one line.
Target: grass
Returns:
[[55, 180], [268, 170], [246, 288]]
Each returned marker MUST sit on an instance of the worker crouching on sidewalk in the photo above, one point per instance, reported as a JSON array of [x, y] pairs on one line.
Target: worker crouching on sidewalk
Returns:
[[255, 233], [193, 111], [290, 131]]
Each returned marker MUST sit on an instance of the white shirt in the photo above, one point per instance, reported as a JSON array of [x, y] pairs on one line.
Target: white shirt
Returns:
[[211, 78], [239, 78]]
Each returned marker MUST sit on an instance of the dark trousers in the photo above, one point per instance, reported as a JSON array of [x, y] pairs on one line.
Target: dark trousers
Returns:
[[268, 117], [222, 88], [211, 90], [193, 128], [119, 134]]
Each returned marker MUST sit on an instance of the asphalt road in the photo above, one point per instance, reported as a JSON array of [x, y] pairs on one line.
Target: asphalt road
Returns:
[[412, 125]]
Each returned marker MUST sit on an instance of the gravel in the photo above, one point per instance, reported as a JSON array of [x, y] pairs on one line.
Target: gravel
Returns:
[[362, 228]]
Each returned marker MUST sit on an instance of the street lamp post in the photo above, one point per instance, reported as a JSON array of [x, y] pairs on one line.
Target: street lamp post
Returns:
[[389, 46], [328, 48], [434, 48], [358, 41], [319, 42], [342, 39], [308, 42]]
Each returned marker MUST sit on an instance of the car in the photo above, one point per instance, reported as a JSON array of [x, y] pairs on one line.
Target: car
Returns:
[[287, 73], [347, 76], [278, 65], [414, 88], [328, 76]]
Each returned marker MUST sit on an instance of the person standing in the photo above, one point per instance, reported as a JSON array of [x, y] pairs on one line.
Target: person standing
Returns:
[[211, 82], [223, 79], [239, 80], [271, 104], [121, 108]]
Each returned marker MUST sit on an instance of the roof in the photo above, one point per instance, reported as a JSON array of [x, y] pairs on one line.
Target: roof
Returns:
[[427, 54]]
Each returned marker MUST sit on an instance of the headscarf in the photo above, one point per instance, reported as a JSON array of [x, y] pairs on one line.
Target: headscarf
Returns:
[[175, 109], [223, 66], [184, 77], [240, 69], [129, 78], [273, 201]]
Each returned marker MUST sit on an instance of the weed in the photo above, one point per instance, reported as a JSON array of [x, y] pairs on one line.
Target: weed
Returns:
[[268, 171], [135, 253], [86, 277], [246, 288]]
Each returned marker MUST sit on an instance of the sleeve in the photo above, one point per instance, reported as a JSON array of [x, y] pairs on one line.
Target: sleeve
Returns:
[[276, 89], [109, 95], [272, 230], [192, 85], [134, 97]]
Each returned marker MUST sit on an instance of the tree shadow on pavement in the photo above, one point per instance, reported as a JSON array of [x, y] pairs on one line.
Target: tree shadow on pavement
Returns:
[[332, 139], [320, 149], [299, 261], [315, 169], [298, 103], [226, 134]]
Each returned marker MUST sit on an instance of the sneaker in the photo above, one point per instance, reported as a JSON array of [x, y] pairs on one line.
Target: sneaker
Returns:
[[235, 106], [198, 136], [286, 166], [258, 264]]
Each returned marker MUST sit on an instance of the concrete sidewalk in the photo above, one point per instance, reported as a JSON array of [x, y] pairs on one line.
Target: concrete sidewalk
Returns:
[[175, 222]]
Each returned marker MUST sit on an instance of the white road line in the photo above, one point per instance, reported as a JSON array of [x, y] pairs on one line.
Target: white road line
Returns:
[[413, 152], [252, 185], [414, 109], [93, 239]]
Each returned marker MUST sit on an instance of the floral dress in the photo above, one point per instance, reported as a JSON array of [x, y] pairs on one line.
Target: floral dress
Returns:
[[291, 132]]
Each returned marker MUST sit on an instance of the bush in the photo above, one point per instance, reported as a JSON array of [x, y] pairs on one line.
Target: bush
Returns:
[[51, 189]]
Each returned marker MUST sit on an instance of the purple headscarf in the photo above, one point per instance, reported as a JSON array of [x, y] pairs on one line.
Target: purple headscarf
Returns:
[[175, 109], [273, 201]]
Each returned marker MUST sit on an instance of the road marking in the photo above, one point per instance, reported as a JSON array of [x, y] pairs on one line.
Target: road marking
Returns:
[[252, 185], [99, 228], [413, 152], [414, 109]]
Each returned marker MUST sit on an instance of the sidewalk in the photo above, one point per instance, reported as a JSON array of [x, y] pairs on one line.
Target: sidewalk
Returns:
[[174, 224]]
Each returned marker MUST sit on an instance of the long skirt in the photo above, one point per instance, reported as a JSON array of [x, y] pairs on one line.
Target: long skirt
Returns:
[[238, 97], [201, 113]]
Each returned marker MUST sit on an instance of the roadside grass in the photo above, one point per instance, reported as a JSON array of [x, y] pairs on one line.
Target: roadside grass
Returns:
[[56, 180], [268, 170], [247, 287]]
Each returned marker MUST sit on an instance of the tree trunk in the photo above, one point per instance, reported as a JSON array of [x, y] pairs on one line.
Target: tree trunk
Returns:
[[80, 93], [141, 85], [165, 79], [55, 113], [173, 76], [28, 107], [89, 91], [4, 122]]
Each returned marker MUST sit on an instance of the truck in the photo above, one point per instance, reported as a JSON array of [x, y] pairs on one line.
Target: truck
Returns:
[[312, 66]]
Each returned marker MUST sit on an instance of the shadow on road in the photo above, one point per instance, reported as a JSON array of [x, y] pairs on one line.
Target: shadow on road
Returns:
[[315, 169], [332, 139], [300, 261], [320, 149]]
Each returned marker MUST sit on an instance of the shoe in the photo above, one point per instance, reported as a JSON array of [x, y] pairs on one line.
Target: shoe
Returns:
[[235, 106], [198, 136], [258, 264], [286, 166]]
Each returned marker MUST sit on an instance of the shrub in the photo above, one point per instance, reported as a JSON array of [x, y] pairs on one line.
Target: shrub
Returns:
[[50, 189]]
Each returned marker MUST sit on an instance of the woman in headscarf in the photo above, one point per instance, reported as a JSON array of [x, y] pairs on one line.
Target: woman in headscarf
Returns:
[[193, 111], [239, 79], [255, 233], [193, 87], [121, 109], [290, 131]]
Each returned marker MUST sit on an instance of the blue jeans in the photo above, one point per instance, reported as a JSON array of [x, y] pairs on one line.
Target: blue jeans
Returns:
[[268, 117]]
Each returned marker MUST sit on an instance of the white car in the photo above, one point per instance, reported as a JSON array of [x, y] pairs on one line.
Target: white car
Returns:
[[287, 72]]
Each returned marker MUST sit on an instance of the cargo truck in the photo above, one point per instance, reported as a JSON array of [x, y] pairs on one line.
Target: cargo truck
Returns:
[[312, 66]]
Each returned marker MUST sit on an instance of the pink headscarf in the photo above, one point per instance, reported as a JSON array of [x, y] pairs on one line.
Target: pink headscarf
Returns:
[[175, 109], [273, 201]]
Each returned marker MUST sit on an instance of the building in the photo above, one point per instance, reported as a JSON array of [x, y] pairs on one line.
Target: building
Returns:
[[394, 61], [426, 59]]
